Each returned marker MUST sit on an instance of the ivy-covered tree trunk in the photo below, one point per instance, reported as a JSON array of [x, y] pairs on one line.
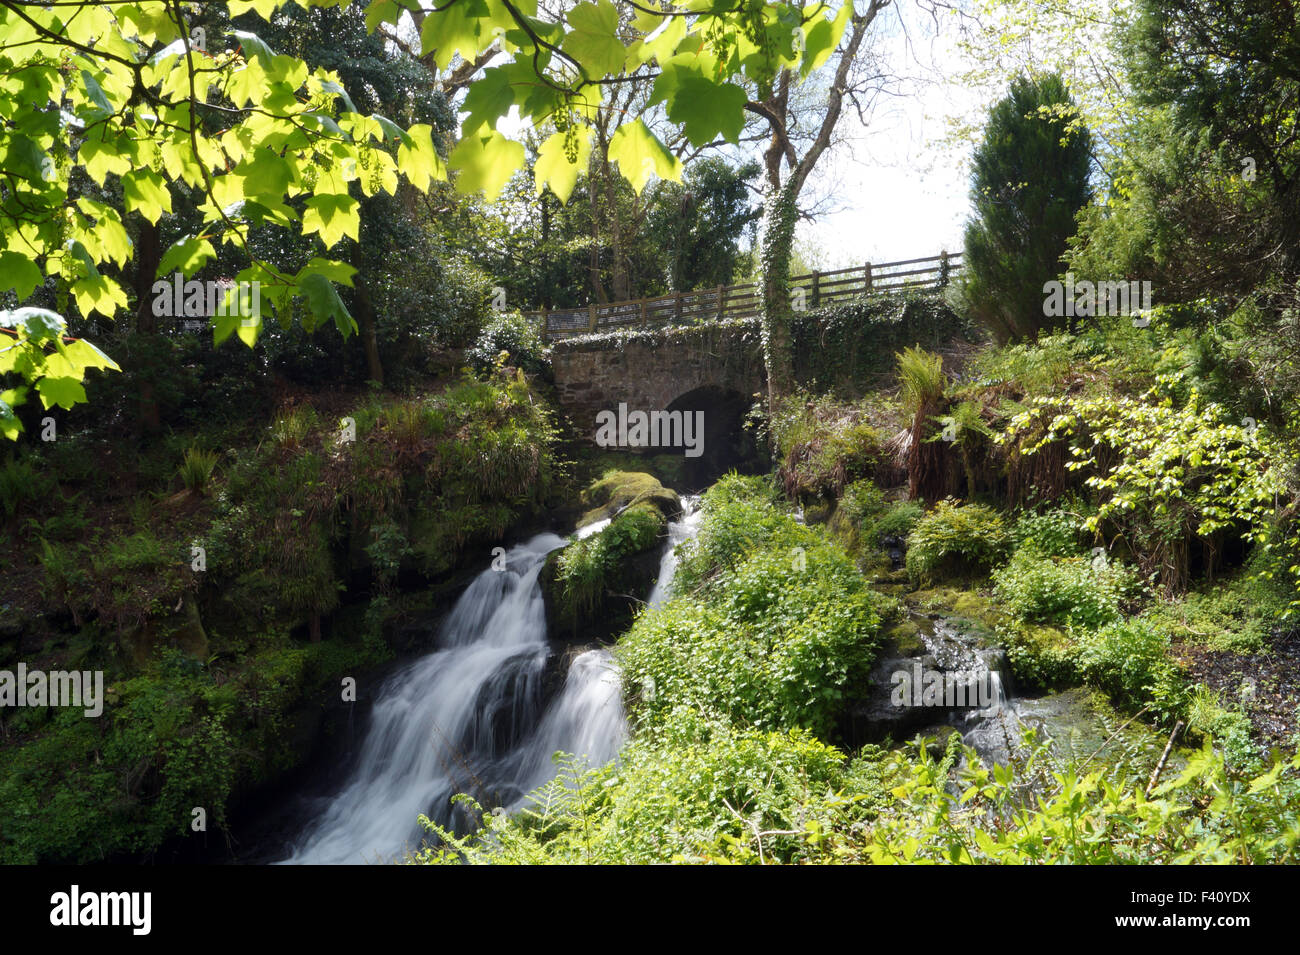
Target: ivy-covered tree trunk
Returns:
[[778, 238]]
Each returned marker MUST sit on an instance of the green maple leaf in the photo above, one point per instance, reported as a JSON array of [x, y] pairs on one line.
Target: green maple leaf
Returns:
[[640, 155], [332, 215], [485, 162], [593, 38]]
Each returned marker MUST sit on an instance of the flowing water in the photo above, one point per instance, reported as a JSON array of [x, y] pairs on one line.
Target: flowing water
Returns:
[[469, 717], [472, 716]]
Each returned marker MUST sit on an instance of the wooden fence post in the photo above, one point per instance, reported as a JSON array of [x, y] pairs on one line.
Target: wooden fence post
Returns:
[[943, 268], [816, 288], [677, 309], [722, 301], [644, 320], [591, 317], [867, 275]]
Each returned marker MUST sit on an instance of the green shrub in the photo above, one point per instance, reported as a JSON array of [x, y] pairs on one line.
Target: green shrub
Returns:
[[1230, 727], [874, 518], [957, 540], [699, 791], [513, 334], [586, 568], [1041, 656], [1073, 591], [1129, 660], [775, 642], [1052, 533]]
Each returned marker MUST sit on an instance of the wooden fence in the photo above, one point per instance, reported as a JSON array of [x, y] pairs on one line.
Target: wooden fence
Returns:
[[742, 301]]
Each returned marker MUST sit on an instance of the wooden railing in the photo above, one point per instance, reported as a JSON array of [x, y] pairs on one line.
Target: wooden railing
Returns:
[[742, 301]]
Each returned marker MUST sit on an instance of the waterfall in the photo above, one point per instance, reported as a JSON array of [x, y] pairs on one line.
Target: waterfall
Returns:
[[678, 532], [471, 717], [468, 717]]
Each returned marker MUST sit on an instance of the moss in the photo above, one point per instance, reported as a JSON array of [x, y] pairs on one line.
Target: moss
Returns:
[[903, 639], [593, 586], [617, 490]]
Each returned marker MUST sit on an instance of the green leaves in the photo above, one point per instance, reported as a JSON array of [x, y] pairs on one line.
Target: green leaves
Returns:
[[704, 108], [18, 272], [593, 40], [486, 161], [145, 191], [640, 155], [554, 169], [332, 216]]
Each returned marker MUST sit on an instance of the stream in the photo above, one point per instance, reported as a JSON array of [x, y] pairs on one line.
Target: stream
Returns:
[[475, 714], [472, 716]]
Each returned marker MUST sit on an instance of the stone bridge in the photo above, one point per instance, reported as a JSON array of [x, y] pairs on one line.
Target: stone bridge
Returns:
[[715, 369]]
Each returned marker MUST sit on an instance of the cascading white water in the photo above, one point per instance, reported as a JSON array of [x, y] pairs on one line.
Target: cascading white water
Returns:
[[678, 532], [466, 718]]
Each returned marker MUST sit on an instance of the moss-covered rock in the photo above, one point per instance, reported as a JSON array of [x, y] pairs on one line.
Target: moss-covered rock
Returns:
[[593, 587], [618, 490]]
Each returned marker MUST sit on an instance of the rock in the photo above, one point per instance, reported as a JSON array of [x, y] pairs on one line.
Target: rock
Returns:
[[618, 569], [619, 490], [182, 630]]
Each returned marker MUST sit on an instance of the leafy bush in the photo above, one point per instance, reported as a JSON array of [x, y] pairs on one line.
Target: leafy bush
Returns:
[[1072, 591], [1052, 533], [513, 334], [957, 540], [771, 640], [958, 810], [824, 444], [587, 568], [1164, 473], [1129, 660]]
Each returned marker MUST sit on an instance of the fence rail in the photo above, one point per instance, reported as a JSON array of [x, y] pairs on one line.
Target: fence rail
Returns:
[[743, 301]]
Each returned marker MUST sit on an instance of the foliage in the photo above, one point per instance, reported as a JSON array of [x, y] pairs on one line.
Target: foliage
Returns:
[[515, 336], [1071, 591], [957, 539], [1052, 532], [824, 444], [196, 470], [845, 347], [22, 484], [244, 130], [1030, 178], [1163, 472], [871, 519], [1129, 660], [181, 734], [1051, 811], [590, 568]]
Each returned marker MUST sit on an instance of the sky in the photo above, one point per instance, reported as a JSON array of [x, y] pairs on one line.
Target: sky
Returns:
[[889, 189], [897, 192]]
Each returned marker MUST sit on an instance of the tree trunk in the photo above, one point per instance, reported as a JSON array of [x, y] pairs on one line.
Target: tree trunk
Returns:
[[778, 237], [148, 255], [366, 323]]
